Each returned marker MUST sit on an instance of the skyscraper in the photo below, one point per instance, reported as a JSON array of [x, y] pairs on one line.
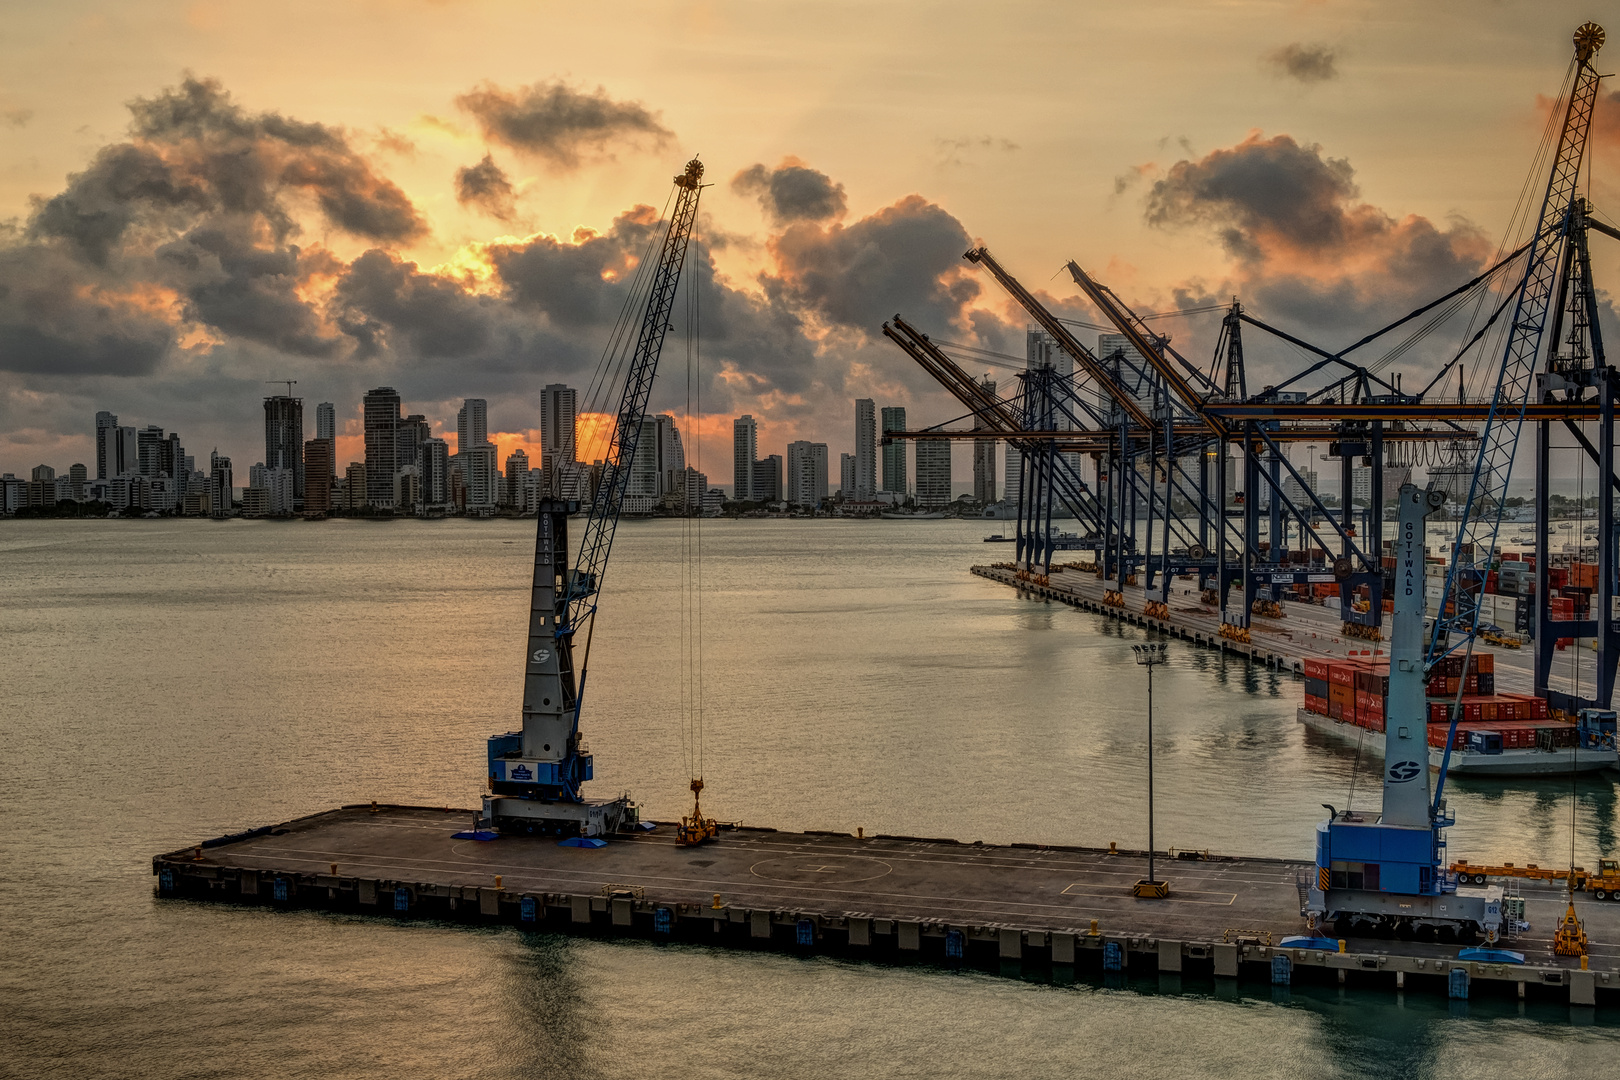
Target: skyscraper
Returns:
[[558, 446], [284, 438], [325, 421], [933, 473], [659, 464], [320, 466], [865, 448], [436, 473], [106, 438], [478, 465], [744, 439], [516, 481], [382, 424], [768, 478], [806, 473], [472, 424], [846, 475], [894, 453], [222, 487], [984, 454], [412, 432]]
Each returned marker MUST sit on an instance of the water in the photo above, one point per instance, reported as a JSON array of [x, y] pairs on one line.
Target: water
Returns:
[[167, 681]]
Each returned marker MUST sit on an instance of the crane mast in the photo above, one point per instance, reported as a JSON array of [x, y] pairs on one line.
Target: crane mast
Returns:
[[1487, 492], [536, 775]]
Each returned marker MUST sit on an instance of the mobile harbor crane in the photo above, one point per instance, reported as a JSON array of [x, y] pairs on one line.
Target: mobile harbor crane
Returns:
[[536, 775], [1389, 873]]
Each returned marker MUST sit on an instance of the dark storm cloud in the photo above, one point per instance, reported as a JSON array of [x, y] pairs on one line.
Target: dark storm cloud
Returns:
[[1310, 256], [559, 123], [1304, 63], [792, 192], [1260, 189], [123, 184], [485, 186], [193, 151], [906, 258], [247, 290], [391, 307], [54, 323]]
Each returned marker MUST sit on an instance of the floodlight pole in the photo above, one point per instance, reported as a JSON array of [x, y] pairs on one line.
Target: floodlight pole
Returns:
[[1149, 656]]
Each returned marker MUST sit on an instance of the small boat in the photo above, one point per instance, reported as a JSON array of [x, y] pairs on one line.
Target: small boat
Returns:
[[999, 538]]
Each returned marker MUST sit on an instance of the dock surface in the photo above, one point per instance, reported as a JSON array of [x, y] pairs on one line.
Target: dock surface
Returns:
[[843, 893]]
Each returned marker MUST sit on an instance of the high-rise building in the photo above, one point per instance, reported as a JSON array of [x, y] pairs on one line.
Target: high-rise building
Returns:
[[382, 417], [106, 439], [744, 445], [472, 424], [42, 474], [515, 488], [436, 473], [151, 446], [846, 475], [356, 491], [276, 483], [320, 466], [478, 465], [806, 473], [865, 448], [984, 453], [768, 479], [412, 432], [222, 486], [325, 421], [284, 437], [558, 445], [660, 463], [933, 473], [894, 453], [77, 475]]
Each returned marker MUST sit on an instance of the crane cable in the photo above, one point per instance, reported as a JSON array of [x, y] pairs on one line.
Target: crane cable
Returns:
[[692, 542]]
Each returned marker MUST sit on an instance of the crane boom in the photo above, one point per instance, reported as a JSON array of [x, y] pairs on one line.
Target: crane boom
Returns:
[[1487, 491], [536, 774]]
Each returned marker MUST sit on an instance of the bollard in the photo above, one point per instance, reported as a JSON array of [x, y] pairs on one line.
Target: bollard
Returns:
[[1342, 948], [1093, 931], [717, 901], [334, 869], [497, 881], [1113, 847], [860, 832]]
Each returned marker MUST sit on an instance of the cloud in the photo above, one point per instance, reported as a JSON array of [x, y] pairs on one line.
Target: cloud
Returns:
[[792, 191], [1308, 253], [560, 124], [1133, 176], [1265, 192], [906, 257], [486, 187], [956, 152], [16, 117], [1304, 63]]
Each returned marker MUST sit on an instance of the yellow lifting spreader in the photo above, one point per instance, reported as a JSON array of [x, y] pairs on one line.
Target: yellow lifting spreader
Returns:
[[696, 829]]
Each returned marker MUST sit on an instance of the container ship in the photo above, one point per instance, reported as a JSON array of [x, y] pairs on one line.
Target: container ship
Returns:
[[1496, 734]]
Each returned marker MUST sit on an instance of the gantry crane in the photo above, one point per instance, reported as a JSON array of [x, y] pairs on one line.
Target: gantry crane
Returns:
[[536, 775]]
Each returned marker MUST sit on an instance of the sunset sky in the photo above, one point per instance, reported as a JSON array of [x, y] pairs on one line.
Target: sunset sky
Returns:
[[443, 196]]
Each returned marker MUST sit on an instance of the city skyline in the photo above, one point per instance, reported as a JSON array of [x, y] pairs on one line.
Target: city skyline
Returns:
[[377, 258]]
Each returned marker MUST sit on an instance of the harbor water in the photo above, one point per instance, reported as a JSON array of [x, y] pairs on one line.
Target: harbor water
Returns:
[[168, 681]]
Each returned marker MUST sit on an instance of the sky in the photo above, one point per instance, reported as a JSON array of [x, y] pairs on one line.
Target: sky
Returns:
[[449, 196]]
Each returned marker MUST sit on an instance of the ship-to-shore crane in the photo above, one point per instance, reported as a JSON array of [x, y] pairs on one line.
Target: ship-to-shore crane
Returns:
[[536, 775]]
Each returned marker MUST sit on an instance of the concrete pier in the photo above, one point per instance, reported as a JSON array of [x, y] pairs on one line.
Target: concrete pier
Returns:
[[1306, 630], [882, 897]]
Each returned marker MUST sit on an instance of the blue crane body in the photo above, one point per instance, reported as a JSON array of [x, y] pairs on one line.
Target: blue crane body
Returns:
[[537, 774], [1388, 872]]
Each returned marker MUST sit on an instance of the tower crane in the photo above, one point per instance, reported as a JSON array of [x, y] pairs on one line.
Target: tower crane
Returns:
[[536, 775]]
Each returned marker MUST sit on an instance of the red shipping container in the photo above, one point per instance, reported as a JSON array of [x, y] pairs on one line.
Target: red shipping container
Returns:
[[1342, 673], [1471, 684], [1316, 668], [1335, 710]]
